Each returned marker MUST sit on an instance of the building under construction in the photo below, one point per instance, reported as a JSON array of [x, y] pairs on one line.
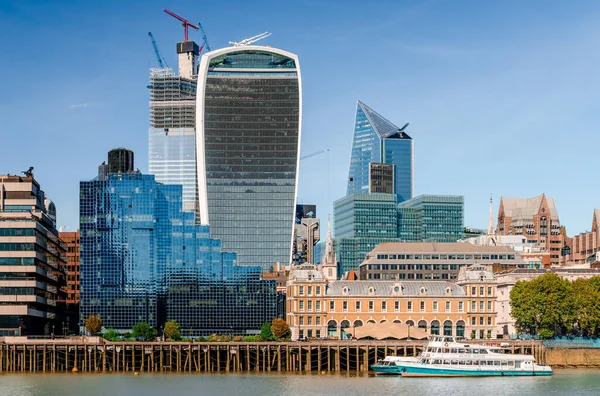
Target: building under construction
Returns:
[[172, 132]]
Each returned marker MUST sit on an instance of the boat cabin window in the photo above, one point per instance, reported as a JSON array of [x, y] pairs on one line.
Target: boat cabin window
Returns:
[[511, 363], [483, 351], [454, 362], [476, 351], [454, 350], [438, 362], [496, 363], [446, 350], [446, 361], [461, 350], [482, 363]]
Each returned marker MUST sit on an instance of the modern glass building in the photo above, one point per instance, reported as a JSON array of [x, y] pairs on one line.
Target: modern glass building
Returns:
[[366, 216], [431, 218], [377, 140], [142, 258], [363, 221], [248, 141], [172, 132]]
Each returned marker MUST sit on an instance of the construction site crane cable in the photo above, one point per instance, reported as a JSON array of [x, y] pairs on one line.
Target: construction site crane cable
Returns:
[[184, 22], [161, 61]]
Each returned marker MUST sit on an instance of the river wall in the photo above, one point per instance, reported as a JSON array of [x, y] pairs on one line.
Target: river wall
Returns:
[[573, 357]]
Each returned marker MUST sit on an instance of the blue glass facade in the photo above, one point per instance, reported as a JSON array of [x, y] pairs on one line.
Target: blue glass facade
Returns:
[[362, 221], [144, 259], [172, 159], [431, 218], [376, 140], [249, 139]]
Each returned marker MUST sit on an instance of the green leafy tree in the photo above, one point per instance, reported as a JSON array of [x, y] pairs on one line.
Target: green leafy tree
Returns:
[[265, 331], [111, 335], [93, 324], [546, 304], [143, 331], [587, 302], [280, 328], [171, 330]]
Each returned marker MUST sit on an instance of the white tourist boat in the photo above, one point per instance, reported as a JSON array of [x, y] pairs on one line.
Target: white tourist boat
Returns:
[[447, 357]]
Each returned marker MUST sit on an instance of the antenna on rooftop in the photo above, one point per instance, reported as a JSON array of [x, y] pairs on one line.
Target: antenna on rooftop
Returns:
[[250, 40]]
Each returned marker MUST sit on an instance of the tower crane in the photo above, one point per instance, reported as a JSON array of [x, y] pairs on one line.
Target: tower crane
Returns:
[[184, 22], [161, 61], [206, 44], [313, 154]]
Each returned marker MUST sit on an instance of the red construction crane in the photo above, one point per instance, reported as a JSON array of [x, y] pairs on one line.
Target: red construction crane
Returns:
[[184, 22]]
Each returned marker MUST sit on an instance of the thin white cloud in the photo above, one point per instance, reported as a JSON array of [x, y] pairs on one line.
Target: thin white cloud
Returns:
[[79, 105]]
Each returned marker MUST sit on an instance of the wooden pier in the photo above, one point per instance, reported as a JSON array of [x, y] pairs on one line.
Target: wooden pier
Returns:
[[44, 356]]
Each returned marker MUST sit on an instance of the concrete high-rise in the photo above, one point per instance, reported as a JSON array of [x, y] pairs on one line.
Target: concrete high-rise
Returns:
[[32, 260], [378, 141], [248, 118]]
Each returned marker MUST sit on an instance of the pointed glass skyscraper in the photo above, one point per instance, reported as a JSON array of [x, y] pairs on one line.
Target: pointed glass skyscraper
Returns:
[[377, 140]]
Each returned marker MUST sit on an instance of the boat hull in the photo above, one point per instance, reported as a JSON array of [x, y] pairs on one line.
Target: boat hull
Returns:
[[428, 371], [385, 370]]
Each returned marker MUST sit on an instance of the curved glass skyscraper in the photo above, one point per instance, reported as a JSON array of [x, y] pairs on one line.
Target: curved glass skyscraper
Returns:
[[248, 122]]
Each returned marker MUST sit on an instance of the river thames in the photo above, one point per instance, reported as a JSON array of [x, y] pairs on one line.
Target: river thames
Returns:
[[564, 382]]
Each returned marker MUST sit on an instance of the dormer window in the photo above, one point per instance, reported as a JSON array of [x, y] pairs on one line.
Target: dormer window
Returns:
[[371, 290], [423, 291], [345, 290]]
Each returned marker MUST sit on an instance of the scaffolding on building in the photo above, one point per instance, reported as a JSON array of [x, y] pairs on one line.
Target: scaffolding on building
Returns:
[[172, 100]]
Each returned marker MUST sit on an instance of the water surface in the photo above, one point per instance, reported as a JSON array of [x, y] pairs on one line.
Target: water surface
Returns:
[[564, 382]]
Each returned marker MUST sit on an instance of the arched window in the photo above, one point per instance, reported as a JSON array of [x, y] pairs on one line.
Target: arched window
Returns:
[[358, 323], [397, 321], [332, 328], [382, 321], [544, 226], [448, 328], [460, 328], [410, 323], [422, 324], [435, 327], [501, 226], [345, 335], [371, 321]]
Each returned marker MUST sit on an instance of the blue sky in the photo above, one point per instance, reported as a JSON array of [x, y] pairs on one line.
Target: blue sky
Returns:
[[502, 97]]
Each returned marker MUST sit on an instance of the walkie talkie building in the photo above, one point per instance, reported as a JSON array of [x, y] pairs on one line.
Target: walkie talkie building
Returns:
[[248, 122]]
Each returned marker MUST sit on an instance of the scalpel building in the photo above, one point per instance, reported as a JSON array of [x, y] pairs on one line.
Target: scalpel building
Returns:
[[248, 122]]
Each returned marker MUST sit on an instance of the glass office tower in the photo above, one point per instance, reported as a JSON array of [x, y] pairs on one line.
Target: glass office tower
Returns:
[[172, 132], [248, 141], [432, 218], [143, 259], [377, 140]]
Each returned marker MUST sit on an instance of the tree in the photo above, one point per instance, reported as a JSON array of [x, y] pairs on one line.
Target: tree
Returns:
[[171, 330], [280, 328], [111, 335], [143, 331], [265, 332], [545, 304], [93, 324]]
